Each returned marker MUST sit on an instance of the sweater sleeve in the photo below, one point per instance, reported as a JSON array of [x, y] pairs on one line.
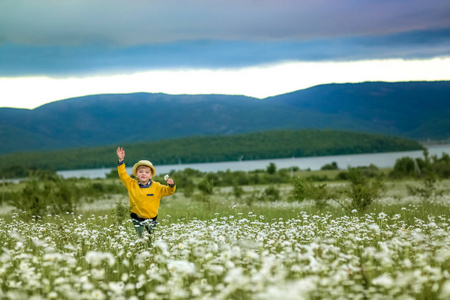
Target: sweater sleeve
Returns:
[[167, 190], [123, 175]]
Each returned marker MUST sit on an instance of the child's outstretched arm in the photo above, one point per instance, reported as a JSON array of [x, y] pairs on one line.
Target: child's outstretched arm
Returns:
[[120, 153], [124, 177]]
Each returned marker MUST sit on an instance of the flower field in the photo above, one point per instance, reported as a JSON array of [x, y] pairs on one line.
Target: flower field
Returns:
[[242, 255]]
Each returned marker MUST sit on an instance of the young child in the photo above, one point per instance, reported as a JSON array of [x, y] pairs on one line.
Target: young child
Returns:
[[144, 194]]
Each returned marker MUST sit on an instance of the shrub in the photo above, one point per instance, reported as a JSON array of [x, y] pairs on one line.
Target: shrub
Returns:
[[428, 188], [63, 196], [332, 166], [46, 193], [405, 166], [428, 166], [241, 178], [271, 193], [184, 183], [441, 166], [255, 195], [206, 187], [304, 189], [213, 177], [96, 190], [121, 212], [364, 172], [362, 191], [238, 191], [33, 199], [272, 168], [113, 174]]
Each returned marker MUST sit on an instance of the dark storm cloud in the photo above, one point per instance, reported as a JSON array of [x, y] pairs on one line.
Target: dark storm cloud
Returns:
[[73, 37], [83, 60]]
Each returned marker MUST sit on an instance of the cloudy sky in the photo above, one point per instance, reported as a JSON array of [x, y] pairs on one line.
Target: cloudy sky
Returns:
[[54, 49]]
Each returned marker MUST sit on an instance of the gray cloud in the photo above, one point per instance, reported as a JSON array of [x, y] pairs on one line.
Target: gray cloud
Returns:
[[73, 37], [139, 22], [18, 60]]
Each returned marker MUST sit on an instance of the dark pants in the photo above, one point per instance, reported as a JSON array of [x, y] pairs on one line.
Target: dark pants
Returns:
[[141, 223]]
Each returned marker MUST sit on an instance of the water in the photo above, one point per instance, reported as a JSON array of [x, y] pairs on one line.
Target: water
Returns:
[[381, 160]]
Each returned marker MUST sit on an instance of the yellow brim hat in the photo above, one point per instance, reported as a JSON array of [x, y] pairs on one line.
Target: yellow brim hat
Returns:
[[143, 163]]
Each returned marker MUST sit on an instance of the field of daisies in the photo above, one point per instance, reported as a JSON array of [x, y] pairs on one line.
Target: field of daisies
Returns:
[[400, 252]]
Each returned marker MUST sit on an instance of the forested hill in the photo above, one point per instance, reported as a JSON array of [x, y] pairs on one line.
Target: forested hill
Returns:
[[418, 110], [249, 146]]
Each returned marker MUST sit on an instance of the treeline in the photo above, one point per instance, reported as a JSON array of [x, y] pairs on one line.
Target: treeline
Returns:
[[262, 145], [428, 166]]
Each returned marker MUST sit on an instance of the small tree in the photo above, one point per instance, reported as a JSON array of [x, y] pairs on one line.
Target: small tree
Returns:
[[362, 191], [272, 168]]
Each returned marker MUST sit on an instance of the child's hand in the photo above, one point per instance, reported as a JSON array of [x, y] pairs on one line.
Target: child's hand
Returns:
[[120, 153], [168, 179]]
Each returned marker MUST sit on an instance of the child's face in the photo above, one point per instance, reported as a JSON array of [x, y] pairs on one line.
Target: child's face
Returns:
[[144, 174]]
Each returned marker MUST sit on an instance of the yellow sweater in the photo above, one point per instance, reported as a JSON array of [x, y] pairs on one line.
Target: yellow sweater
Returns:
[[144, 201]]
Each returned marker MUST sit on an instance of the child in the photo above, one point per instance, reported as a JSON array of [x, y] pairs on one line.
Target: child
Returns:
[[144, 194]]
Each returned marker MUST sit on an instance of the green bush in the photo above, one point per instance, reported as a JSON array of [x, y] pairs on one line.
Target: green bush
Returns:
[[332, 166], [422, 167], [32, 200], [95, 190], [271, 168], [242, 178], [113, 174], [363, 172], [271, 193], [121, 212], [238, 191], [363, 191], [184, 182], [206, 187], [63, 196], [404, 167], [428, 188], [46, 193], [441, 166], [305, 189]]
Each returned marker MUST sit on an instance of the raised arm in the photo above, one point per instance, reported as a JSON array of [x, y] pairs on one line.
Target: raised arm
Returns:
[[120, 154], [124, 177]]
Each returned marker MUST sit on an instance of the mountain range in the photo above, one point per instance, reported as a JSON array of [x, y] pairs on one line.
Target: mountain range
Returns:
[[415, 110]]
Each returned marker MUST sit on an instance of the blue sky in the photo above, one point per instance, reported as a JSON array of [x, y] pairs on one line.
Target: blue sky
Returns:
[[53, 49]]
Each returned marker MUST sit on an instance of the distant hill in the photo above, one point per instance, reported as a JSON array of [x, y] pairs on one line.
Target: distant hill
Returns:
[[248, 146], [417, 110]]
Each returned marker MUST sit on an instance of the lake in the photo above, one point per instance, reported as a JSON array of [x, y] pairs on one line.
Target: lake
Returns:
[[381, 160]]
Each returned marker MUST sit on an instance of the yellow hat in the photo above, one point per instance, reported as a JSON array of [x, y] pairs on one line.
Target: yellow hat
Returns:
[[143, 163]]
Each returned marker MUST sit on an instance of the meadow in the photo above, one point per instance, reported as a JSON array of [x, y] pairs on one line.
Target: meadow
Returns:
[[228, 242]]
